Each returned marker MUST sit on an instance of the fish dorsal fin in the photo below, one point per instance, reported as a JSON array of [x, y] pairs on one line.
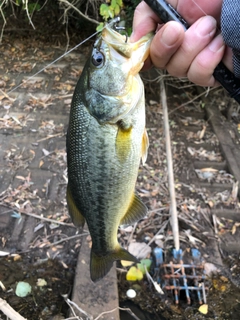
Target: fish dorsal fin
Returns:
[[145, 145], [136, 211], [75, 214]]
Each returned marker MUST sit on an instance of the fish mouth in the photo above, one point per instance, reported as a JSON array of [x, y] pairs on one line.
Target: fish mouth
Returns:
[[116, 40], [136, 51]]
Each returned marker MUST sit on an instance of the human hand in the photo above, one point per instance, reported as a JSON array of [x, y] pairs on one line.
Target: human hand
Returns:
[[194, 53]]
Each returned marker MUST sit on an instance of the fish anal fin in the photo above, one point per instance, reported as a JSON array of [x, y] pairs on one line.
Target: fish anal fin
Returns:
[[145, 145], [123, 140], [136, 211], [101, 265], [75, 214]]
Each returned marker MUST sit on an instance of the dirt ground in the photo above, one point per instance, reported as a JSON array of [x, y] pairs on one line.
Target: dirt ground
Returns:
[[33, 174]]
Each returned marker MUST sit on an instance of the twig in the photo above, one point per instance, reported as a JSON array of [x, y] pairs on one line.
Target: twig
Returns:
[[89, 317], [159, 231], [46, 219], [4, 93], [118, 308], [66, 239], [51, 136], [9, 311], [131, 235], [25, 2], [78, 11], [155, 284], [4, 20], [190, 101], [42, 218], [71, 303], [174, 216]]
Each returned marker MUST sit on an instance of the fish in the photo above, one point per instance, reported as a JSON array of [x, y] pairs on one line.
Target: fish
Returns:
[[106, 141]]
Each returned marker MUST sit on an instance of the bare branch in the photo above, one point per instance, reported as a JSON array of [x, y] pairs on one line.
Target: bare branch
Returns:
[[9, 311], [25, 2], [67, 3], [174, 214], [4, 20]]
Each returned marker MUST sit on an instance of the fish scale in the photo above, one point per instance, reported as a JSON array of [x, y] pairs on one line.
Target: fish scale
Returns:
[[106, 140]]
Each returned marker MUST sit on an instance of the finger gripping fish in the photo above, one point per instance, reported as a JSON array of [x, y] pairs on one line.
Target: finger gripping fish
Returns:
[[105, 143]]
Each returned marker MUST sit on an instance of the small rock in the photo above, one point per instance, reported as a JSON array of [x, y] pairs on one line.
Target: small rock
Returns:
[[131, 293]]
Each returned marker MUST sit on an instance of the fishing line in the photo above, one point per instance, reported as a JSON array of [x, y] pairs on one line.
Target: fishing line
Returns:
[[201, 9], [205, 13], [112, 22]]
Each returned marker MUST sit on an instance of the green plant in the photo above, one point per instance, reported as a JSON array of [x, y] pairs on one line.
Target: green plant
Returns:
[[109, 11], [28, 6], [137, 273]]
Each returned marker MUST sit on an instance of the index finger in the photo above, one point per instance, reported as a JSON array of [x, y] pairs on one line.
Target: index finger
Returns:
[[144, 21]]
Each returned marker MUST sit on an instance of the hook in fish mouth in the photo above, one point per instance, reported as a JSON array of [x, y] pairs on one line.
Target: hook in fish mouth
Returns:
[[114, 23], [119, 28]]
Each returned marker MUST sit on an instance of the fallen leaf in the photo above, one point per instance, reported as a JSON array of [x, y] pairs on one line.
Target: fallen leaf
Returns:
[[203, 309], [234, 229], [143, 265], [125, 263], [139, 249], [41, 282], [219, 285], [134, 274], [210, 268], [41, 162]]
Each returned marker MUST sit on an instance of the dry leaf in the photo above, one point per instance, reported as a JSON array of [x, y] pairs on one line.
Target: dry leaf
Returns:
[[203, 309], [201, 135], [41, 162], [125, 263], [234, 229], [134, 274], [139, 249]]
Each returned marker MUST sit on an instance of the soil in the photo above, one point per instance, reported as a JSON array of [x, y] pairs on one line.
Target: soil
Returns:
[[33, 124], [33, 176]]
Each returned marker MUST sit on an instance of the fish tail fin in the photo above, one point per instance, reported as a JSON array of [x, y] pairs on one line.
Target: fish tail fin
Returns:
[[101, 265]]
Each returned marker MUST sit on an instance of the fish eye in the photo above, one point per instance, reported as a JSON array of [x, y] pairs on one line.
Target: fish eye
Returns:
[[97, 59]]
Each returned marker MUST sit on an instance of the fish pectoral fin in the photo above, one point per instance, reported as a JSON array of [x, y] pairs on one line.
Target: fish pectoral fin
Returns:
[[135, 212], [101, 265], [145, 145], [123, 140], [75, 214]]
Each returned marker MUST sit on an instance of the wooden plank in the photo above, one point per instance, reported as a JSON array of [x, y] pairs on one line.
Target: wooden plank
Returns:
[[200, 164], [230, 150], [227, 214], [94, 298]]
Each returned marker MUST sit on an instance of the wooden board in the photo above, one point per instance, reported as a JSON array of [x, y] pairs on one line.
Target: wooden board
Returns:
[[94, 298], [230, 150]]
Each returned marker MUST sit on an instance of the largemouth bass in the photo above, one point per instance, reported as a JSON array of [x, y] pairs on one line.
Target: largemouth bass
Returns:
[[105, 143]]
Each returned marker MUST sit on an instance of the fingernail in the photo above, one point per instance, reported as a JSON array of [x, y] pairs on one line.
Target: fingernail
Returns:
[[217, 44], [171, 34], [206, 26]]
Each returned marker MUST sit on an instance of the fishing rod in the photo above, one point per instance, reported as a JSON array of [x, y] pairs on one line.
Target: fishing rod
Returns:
[[222, 74]]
